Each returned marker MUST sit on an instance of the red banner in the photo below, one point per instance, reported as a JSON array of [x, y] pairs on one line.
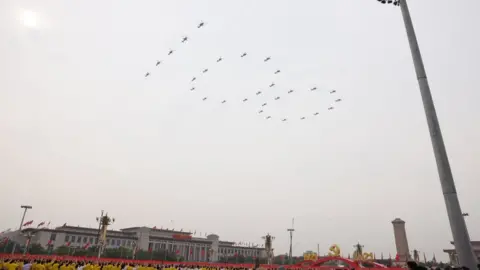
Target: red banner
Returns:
[[182, 236]]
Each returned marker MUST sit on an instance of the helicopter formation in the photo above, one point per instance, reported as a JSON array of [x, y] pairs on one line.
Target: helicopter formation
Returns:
[[258, 93]]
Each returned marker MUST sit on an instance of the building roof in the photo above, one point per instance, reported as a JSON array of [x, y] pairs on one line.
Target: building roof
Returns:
[[474, 243], [154, 229]]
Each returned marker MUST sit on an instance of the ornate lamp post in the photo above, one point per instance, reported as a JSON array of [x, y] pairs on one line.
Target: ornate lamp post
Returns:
[[104, 222], [268, 247]]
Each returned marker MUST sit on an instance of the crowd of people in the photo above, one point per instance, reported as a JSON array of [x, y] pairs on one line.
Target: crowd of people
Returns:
[[38, 263], [12, 263], [91, 265]]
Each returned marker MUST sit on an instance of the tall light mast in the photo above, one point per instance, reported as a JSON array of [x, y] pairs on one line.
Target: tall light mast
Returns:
[[291, 230]]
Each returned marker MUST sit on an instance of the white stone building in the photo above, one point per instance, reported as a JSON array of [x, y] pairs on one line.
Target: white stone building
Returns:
[[185, 244]]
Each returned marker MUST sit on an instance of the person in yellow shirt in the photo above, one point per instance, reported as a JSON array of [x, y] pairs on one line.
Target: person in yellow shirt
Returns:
[[12, 266]]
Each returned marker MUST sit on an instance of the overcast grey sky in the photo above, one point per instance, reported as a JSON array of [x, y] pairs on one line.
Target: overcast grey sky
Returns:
[[82, 130]]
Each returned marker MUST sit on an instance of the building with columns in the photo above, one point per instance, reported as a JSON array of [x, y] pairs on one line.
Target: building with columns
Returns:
[[190, 247]]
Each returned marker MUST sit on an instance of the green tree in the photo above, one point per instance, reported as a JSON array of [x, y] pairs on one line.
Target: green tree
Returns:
[[8, 247], [62, 250], [36, 249]]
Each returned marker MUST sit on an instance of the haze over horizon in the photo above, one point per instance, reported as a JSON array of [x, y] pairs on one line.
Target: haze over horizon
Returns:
[[82, 129]]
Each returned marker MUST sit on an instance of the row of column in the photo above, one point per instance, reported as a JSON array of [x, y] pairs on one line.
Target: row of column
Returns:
[[189, 251], [240, 251]]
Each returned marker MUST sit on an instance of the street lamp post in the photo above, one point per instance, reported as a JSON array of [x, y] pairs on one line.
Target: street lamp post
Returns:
[[26, 207], [461, 238]]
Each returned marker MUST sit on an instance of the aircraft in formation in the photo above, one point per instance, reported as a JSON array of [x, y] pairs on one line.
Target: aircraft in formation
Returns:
[[244, 54]]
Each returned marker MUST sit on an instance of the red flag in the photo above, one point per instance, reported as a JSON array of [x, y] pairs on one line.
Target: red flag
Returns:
[[191, 252], [28, 223], [397, 257], [178, 251], [86, 246], [49, 242], [67, 244], [40, 224]]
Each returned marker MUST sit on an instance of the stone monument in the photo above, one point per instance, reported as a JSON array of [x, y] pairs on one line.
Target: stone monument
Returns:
[[401, 241]]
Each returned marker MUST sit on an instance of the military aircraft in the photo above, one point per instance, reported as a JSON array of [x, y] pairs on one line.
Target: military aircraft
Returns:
[[205, 98], [330, 108], [268, 117], [184, 39], [245, 99], [266, 59], [264, 104], [315, 113], [278, 71], [194, 78], [170, 52], [193, 88], [258, 93], [277, 98], [261, 111], [313, 89], [272, 85], [243, 55], [290, 91], [205, 70], [201, 24], [147, 74], [158, 62], [338, 100], [223, 101], [333, 91], [219, 59], [302, 118]]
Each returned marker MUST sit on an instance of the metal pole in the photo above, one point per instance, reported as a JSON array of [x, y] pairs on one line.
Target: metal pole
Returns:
[[461, 238], [26, 207], [23, 217]]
